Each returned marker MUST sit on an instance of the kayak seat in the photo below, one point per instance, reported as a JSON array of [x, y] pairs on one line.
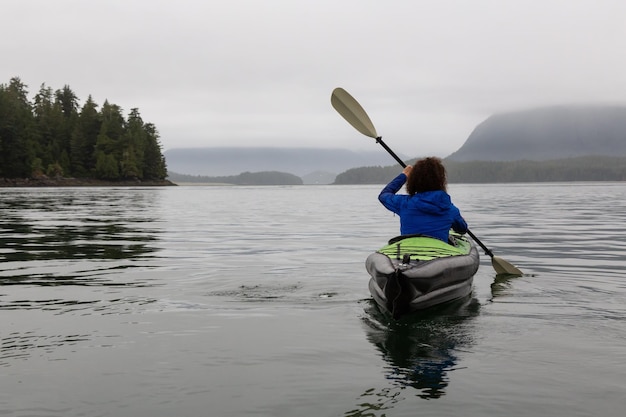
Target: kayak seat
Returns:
[[402, 237], [451, 240]]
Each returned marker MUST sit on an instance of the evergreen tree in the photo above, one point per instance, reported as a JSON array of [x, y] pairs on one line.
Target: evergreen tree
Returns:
[[16, 130], [106, 166], [83, 140], [67, 103], [134, 142], [50, 128], [113, 127], [154, 167], [109, 151]]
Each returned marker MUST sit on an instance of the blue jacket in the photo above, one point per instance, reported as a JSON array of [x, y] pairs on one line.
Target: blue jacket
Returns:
[[430, 213]]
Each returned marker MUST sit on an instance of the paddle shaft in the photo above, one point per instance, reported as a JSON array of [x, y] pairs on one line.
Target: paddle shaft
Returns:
[[392, 153], [485, 248]]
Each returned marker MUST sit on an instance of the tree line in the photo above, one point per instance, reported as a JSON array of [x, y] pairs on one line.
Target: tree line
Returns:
[[585, 168], [52, 136], [588, 168]]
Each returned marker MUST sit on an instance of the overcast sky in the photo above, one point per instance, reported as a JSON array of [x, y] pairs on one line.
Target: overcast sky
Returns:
[[260, 72]]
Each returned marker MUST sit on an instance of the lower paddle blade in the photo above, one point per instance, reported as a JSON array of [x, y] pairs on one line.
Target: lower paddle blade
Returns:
[[503, 267]]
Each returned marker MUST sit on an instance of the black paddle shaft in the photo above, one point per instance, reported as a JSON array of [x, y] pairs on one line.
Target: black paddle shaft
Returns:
[[392, 153], [485, 248]]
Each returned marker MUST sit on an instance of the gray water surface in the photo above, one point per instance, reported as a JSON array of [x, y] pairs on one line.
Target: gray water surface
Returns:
[[253, 301]]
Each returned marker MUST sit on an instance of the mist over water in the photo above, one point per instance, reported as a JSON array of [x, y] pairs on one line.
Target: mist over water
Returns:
[[235, 301]]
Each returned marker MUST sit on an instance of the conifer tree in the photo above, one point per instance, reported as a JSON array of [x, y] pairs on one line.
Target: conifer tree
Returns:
[[83, 140], [16, 130]]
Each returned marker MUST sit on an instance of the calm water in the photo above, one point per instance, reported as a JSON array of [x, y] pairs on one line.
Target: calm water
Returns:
[[253, 301]]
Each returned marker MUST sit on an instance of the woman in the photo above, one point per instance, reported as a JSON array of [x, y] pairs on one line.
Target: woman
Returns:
[[427, 209]]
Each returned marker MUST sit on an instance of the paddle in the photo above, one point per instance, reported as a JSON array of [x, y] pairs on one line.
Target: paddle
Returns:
[[351, 110]]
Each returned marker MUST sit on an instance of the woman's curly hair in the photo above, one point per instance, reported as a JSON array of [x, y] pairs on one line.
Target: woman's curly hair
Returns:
[[428, 174]]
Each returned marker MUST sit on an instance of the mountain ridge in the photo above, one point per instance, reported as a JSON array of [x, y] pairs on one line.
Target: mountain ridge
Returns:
[[546, 133]]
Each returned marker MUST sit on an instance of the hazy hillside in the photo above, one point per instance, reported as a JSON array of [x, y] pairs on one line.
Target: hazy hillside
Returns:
[[298, 161], [547, 133], [557, 136]]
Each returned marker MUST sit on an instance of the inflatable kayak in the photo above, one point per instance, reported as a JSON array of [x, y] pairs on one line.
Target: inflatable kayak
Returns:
[[415, 272]]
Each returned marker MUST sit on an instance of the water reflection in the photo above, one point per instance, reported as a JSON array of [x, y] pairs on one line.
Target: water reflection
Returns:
[[101, 240], [420, 351], [22, 345], [55, 237], [501, 284], [65, 256]]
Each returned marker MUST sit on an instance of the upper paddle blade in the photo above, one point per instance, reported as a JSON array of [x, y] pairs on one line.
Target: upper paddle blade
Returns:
[[352, 111], [503, 267]]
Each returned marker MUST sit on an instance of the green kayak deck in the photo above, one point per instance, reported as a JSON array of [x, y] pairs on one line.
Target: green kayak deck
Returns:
[[424, 248]]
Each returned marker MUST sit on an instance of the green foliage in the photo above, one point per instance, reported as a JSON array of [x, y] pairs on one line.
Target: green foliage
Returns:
[[37, 167], [54, 170], [154, 166], [106, 167], [52, 134], [83, 140], [16, 130]]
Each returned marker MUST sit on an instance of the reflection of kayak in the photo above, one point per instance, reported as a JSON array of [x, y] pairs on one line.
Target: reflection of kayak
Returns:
[[421, 351], [416, 272]]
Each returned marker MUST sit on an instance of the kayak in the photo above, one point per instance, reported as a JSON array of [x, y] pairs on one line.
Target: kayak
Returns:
[[415, 272]]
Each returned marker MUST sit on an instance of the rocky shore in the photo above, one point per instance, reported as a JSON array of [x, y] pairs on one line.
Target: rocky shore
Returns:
[[78, 182]]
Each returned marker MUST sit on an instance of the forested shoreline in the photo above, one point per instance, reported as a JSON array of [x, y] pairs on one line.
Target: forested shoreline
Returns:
[[52, 139], [588, 168]]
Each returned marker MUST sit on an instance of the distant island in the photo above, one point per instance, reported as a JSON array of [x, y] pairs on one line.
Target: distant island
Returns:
[[245, 178]]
